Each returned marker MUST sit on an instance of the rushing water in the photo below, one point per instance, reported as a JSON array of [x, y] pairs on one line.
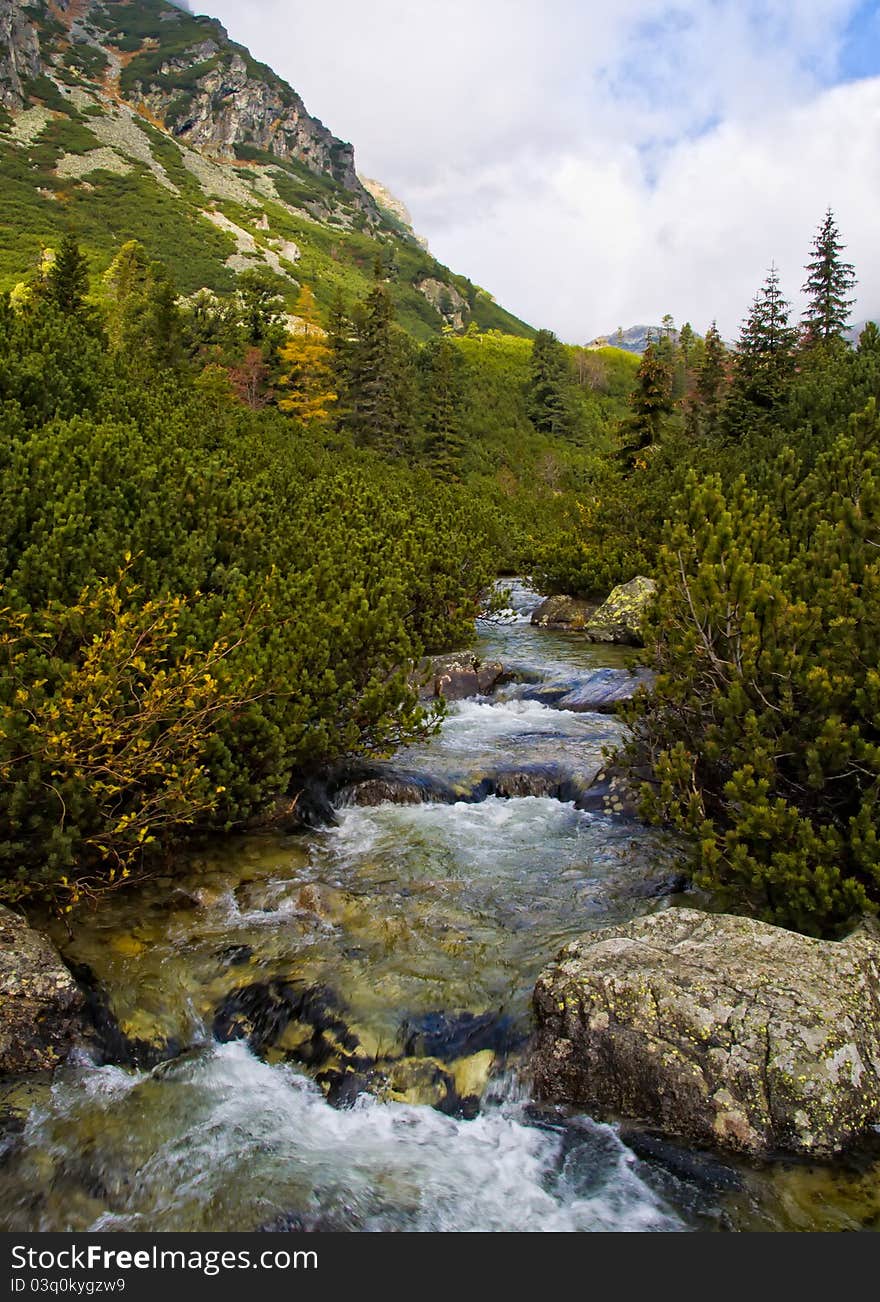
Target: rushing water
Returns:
[[408, 937]]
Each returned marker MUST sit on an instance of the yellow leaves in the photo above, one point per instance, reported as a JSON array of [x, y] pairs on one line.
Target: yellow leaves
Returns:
[[127, 725], [307, 358]]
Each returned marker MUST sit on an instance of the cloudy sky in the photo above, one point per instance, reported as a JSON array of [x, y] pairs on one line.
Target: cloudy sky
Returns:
[[596, 163]]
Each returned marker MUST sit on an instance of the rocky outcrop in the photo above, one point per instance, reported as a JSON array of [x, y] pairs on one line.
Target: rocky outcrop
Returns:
[[619, 618], [20, 59], [446, 300], [40, 1003], [716, 1029], [563, 612], [457, 676], [392, 207], [228, 107]]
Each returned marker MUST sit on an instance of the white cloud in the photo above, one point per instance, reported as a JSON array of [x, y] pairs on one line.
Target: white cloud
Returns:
[[595, 164]]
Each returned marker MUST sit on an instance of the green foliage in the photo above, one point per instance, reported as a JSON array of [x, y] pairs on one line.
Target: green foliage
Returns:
[[705, 407], [764, 363], [762, 731], [68, 278], [829, 284], [549, 381], [376, 376], [651, 404], [271, 604], [442, 384]]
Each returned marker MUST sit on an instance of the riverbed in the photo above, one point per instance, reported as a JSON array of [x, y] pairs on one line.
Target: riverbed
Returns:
[[329, 1030]]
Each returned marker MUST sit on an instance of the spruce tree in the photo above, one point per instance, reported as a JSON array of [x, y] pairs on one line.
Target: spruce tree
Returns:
[[381, 378], [651, 404], [705, 410], [765, 361], [443, 385], [141, 314], [828, 287], [67, 279], [549, 376]]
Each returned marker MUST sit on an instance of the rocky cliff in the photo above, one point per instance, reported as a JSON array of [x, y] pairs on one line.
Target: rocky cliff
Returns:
[[136, 119], [20, 61], [190, 78]]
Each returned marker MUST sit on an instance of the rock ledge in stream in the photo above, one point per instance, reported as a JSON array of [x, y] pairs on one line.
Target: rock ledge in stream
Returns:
[[563, 612], [457, 676], [40, 1003], [716, 1029], [619, 618]]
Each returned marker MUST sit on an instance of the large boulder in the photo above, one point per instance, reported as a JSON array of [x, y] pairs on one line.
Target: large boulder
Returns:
[[457, 675], [619, 618], [40, 1003], [569, 613], [717, 1029]]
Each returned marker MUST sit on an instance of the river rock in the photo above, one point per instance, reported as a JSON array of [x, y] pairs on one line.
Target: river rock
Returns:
[[619, 618], [717, 1029], [457, 676], [605, 691], [563, 612], [40, 1003]]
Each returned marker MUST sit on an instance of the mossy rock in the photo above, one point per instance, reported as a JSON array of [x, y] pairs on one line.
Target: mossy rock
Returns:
[[619, 618]]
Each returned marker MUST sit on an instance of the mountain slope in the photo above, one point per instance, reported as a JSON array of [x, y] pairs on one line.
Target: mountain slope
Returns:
[[135, 119]]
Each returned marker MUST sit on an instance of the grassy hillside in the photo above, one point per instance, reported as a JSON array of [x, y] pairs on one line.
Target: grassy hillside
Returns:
[[82, 155]]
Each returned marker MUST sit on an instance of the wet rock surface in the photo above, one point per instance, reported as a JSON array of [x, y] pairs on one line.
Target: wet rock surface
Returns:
[[602, 692], [445, 1061], [457, 676], [40, 1003], [718, 1029]]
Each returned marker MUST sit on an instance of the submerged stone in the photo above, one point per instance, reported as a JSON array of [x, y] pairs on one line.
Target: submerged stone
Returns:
[[458, 1035], [718, 1029]]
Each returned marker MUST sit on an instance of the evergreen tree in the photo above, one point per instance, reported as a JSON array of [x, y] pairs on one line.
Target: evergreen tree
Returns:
[[664, 344], [381, 378], [705, 408], [765, 361], [651, 404], [683, 360], [549, 377], [67, 279], [828, 287], [443, 387], [141, 312], [262, 308]]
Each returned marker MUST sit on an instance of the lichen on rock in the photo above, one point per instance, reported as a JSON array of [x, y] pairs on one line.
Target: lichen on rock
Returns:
[[718, 1029], [619, 618]]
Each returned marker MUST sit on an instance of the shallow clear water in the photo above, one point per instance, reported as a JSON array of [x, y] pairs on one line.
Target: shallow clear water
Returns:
[[422, 928]]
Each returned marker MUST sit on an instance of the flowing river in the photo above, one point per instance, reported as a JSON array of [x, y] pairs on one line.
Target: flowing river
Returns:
[[326, 1031]]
